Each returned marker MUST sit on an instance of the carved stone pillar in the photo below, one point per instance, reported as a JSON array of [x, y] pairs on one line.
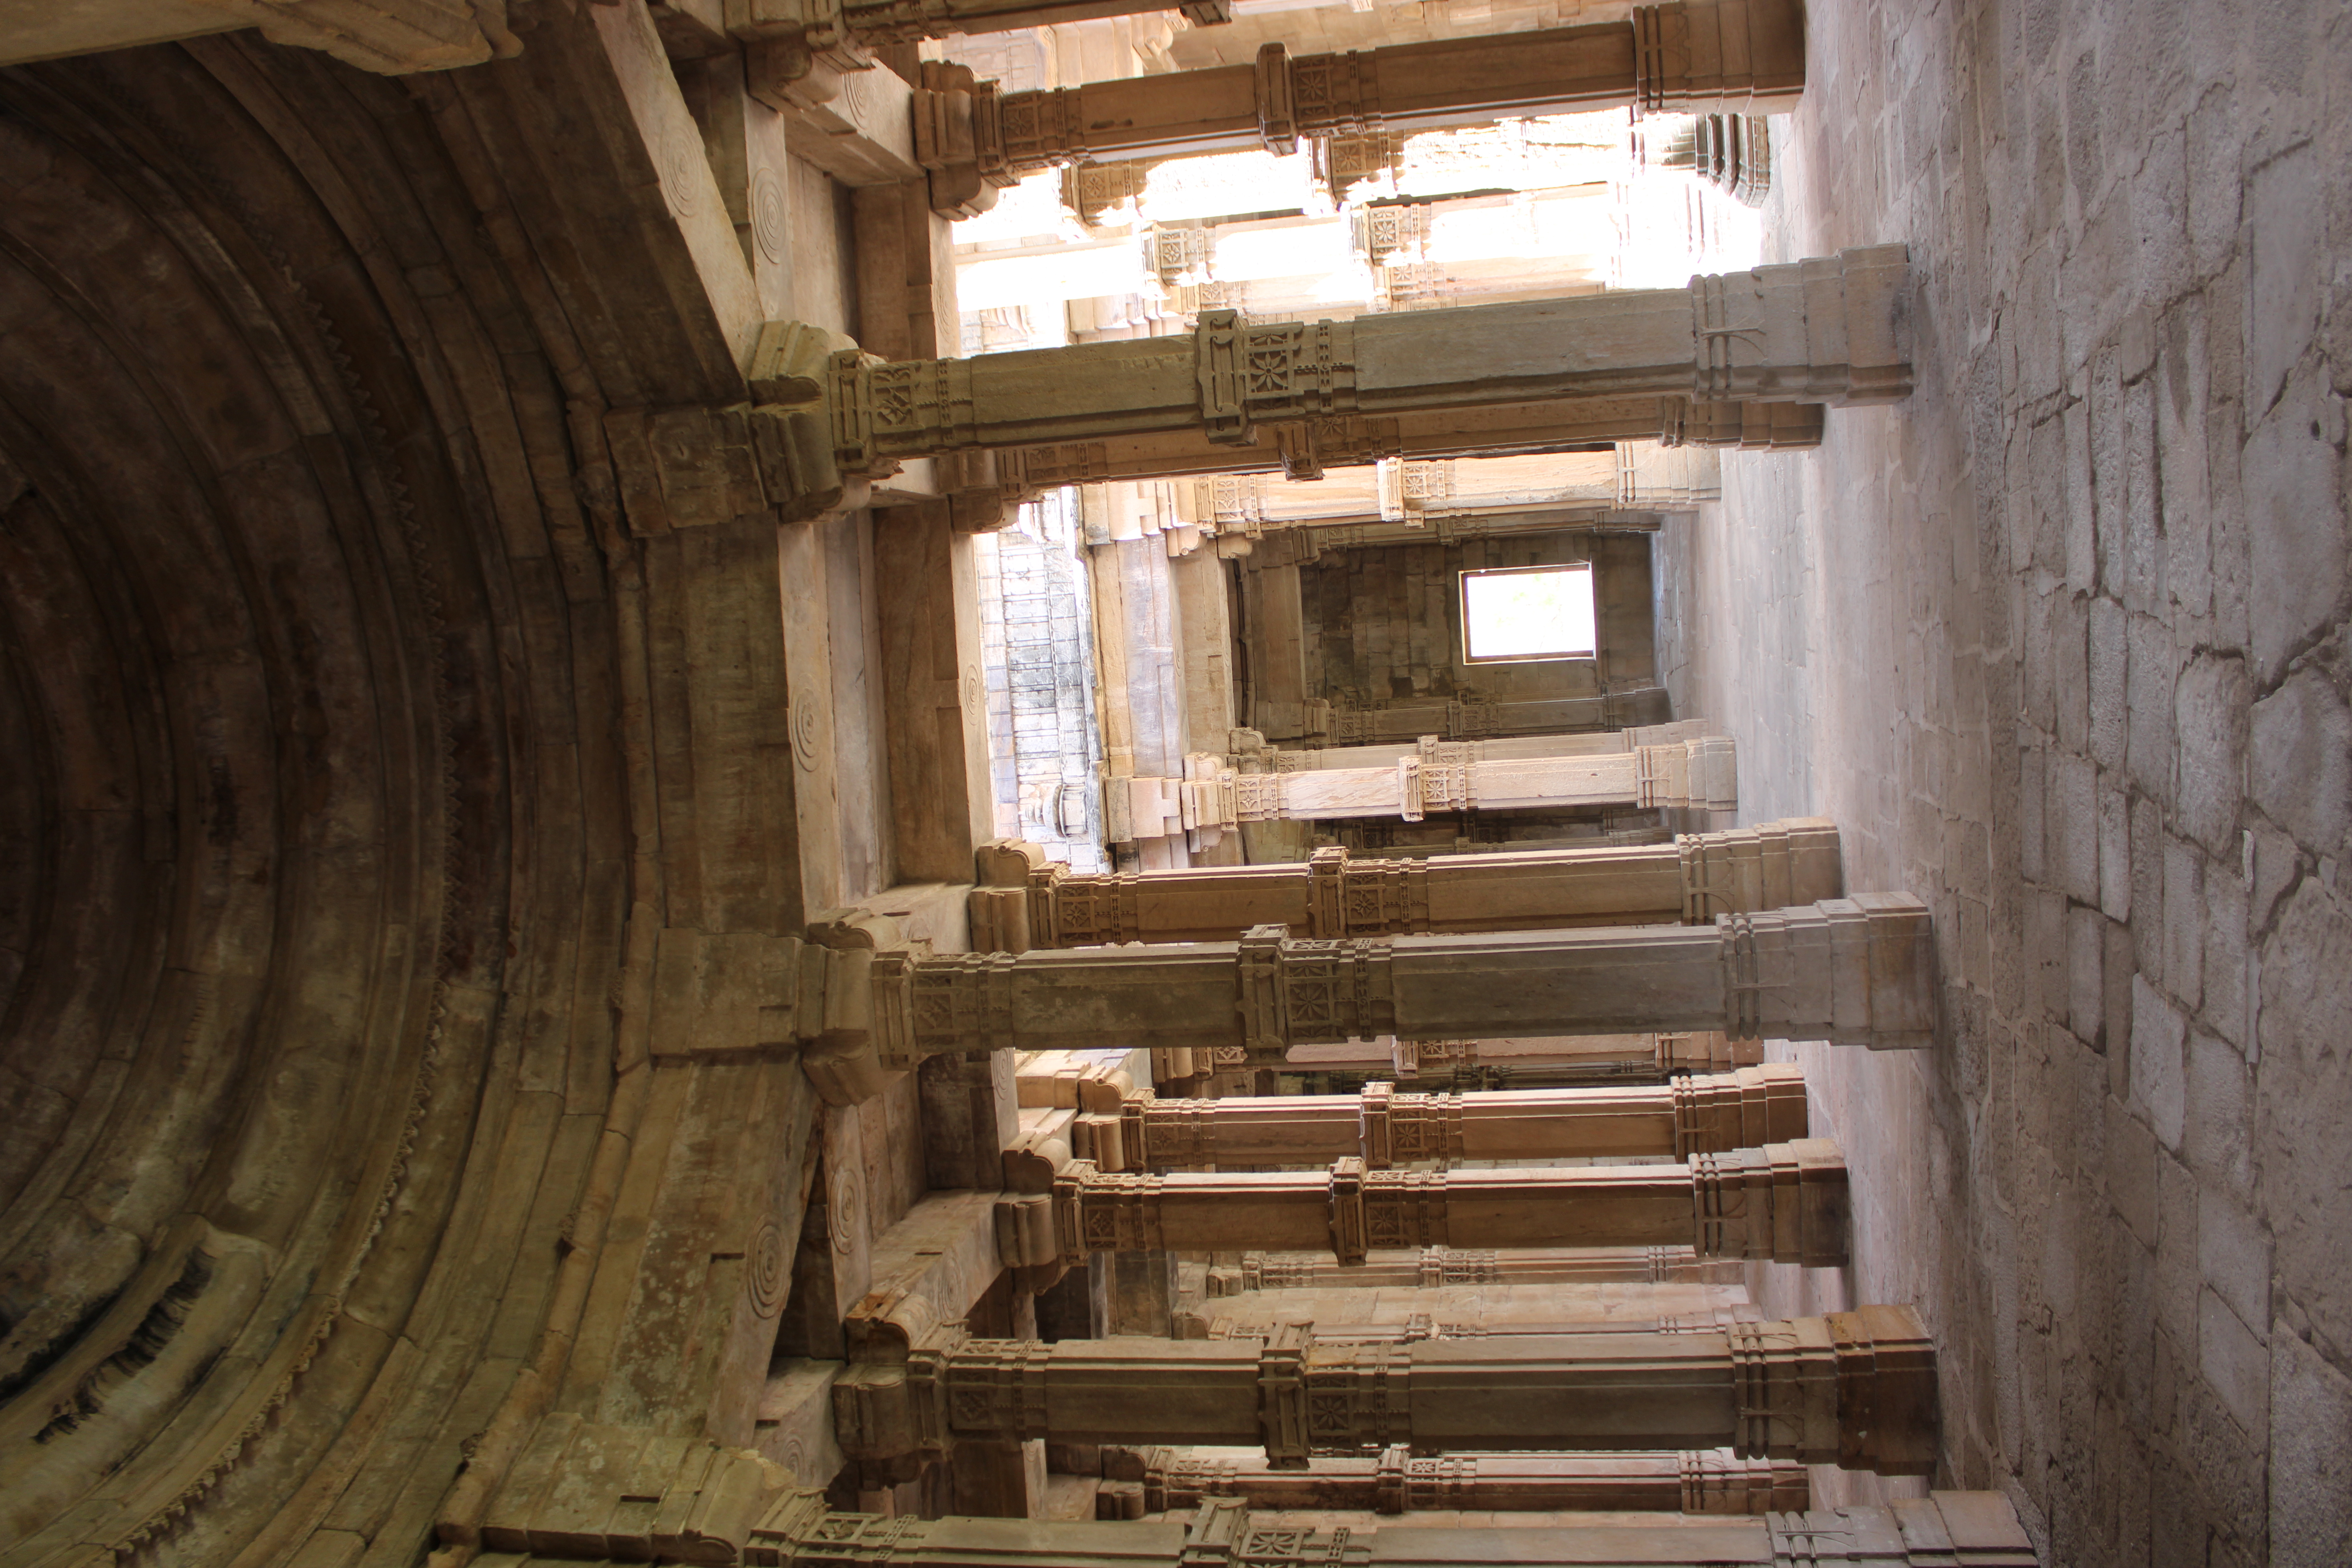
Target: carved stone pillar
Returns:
[[1855, 1389], [1436, 1266], [1569, 1062], [1399, 1481], [1441, 777], [1332, 894], [1739, 56], [1552, 726], [1305, 448], [1702, 1114], [1849, 971], [1833, 330], [1785, 1202]]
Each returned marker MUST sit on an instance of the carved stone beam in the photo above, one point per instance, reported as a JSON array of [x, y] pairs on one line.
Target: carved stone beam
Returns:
[[1701, 1114], [1784, 1201], [1691, 880], [1744, 55], [1855, 1389], [1833, 330], [1399, 1481], [1851, 971]]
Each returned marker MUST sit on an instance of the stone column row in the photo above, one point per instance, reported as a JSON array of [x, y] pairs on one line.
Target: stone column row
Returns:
[[1849, 971], [1037, 904], [1700, 774], [1785, 1202], [1854, 1389], [1702, 1114], [1400, 1481], [1831, 331]]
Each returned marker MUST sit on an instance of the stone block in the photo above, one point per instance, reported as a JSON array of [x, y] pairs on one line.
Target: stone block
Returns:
[[2073, 817], [2217, 1138], [2299, 761], [2131, 1169], [2310, 1455], [2236, 1363], [2288, 239], [2293, 482], [2177, 1279], [2158, 1074], [2304, 1101], [2210, 718], [2114, 853], [2233, 1253], [2151, 668], [2086, 997], [2225, 952], [2184, 922], [2108, 653]]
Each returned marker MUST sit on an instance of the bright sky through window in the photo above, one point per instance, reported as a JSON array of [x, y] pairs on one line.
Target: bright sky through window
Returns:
[[1541, 612]]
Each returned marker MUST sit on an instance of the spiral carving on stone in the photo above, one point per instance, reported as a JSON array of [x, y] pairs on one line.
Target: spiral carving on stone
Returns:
[[843, 1195], [770, 216], [768, 1269], [678, 157], [808, 730]]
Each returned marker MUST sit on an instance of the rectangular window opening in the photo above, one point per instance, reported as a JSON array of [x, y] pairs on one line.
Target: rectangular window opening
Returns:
[[1527, 613]]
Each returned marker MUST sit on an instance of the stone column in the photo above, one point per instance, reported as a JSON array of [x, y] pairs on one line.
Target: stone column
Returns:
[[1735, 56], [1534, 725], [1305, 448], [1575, 1061], [1438, 1266], [1831, 331], [1785, 1202], [1855, 1389], [1398, 1481], [1702, 1114], [1442, 777], [1849, 971], [1333, 894]]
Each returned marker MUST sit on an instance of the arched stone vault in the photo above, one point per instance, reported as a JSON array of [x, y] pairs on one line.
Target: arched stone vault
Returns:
[[336, 828]]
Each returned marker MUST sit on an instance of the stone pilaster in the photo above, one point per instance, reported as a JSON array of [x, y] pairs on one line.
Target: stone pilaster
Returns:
[[1334, 895], [1701, 1114]]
